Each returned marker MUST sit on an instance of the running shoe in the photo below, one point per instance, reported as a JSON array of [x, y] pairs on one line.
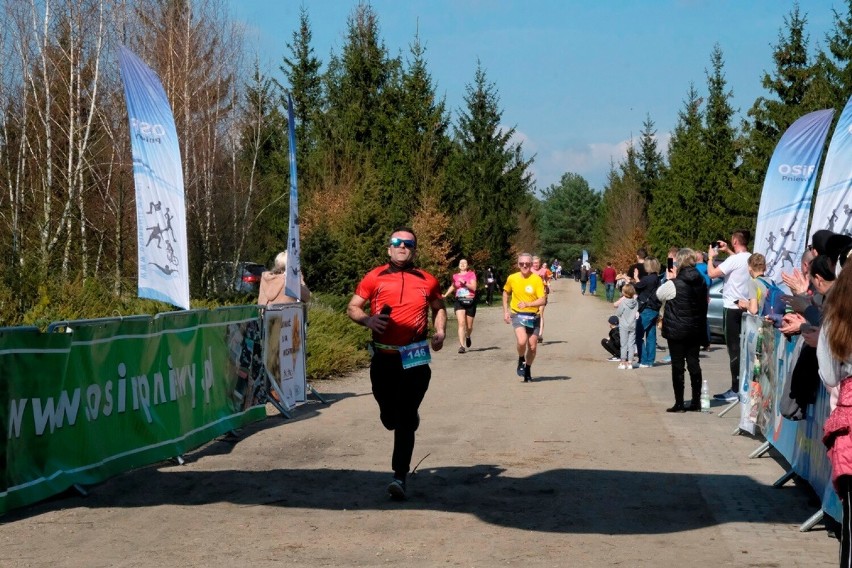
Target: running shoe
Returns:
[[521, 367], [614, 359], [461, 349], [396, 489], [467, 342], [728, 396]]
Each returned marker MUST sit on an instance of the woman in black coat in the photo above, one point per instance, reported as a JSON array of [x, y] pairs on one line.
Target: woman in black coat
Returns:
[[684, 325]]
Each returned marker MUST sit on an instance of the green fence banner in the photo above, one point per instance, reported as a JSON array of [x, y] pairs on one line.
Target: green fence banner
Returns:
[[110, 395]]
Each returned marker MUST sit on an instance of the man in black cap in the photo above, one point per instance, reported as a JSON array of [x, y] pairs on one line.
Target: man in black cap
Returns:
[[613, 343]]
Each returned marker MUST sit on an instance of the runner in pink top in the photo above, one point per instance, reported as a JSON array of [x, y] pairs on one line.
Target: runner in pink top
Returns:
[[545, 274], [463, 289]]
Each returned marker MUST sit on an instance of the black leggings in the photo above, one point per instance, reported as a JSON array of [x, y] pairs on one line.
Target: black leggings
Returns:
[[733, 327], [845, 493], [399, 393]]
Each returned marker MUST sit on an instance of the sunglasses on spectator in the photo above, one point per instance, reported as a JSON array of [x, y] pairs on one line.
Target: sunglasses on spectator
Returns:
[[409, 243], [524, 264]]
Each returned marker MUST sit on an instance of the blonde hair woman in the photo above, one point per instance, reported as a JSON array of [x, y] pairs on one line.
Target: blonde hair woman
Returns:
[[272, 285]]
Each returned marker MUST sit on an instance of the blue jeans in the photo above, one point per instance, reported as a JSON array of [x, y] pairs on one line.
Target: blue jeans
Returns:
[[583, 287], [646, 336], [610, 292]]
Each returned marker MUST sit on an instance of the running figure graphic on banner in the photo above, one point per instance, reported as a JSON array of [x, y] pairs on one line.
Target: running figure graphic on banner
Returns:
[[771, 240]]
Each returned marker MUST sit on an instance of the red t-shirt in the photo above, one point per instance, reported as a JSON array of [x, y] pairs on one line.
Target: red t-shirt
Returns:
[[408, 292], [608, 275]]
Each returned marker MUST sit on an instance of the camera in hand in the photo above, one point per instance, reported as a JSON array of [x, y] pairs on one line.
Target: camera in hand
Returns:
[[714, 244]]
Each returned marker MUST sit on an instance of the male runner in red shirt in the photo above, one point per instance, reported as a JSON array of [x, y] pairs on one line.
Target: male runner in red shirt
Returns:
[[400, 297]]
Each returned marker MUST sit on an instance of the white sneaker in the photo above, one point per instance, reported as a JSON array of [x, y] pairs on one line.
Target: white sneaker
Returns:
[[629, 366], [641, 366], [622, 365]]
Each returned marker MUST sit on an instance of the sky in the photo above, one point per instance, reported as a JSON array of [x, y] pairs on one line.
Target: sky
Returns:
[[576, 79]]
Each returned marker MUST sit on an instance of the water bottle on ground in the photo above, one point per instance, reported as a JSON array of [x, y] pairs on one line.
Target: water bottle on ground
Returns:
[[705, 395]]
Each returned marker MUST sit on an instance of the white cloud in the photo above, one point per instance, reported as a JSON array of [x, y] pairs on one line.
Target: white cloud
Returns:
[[592, 161], [519, 137]]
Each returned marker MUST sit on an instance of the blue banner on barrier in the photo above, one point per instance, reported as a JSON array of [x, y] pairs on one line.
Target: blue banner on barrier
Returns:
[[766, 365]]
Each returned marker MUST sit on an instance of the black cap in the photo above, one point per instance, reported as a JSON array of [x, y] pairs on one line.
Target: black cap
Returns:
[[613, 320], [820, 240], [835, 245]]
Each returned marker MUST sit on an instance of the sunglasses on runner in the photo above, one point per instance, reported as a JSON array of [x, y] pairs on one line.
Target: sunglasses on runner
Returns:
[[524, 264], [397, 242]]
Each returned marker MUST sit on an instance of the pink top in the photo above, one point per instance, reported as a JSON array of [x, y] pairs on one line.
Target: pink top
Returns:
[[460, 281], [837, 433]]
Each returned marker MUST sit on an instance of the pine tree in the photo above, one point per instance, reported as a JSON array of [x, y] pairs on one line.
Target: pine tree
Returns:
[[651, 163], [724, 209], [569, 211], [769, 118], [345, 220], [838, 67], [302, 71], [490, 185], [678, 211], [414, 156]]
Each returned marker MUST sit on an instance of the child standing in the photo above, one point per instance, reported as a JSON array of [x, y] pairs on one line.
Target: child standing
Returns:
[[627, 309], [757, 287]]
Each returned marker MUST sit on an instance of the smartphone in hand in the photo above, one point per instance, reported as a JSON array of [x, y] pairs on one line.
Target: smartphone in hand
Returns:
[[670, 264]]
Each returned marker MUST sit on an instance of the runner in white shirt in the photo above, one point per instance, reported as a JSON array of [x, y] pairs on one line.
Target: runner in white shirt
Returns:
[[734, 270]]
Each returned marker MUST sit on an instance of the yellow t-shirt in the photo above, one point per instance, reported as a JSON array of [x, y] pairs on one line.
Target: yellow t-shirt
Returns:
[[523, 289]]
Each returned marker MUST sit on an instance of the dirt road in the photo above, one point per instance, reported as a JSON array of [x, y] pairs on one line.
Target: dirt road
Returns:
[[582, 467]]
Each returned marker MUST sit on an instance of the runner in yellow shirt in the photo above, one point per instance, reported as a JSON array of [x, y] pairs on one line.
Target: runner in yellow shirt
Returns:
[[527, 296]]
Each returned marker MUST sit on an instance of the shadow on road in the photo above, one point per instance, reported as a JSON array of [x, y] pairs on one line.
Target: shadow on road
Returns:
[[556, 378], [559, 500]]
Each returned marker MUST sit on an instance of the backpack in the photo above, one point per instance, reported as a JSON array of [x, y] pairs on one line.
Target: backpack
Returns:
[[584, 274], [774, 306]]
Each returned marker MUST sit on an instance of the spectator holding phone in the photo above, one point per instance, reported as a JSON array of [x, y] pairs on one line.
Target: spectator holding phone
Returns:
[[684, 325], [734, 270], [649, 311]]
